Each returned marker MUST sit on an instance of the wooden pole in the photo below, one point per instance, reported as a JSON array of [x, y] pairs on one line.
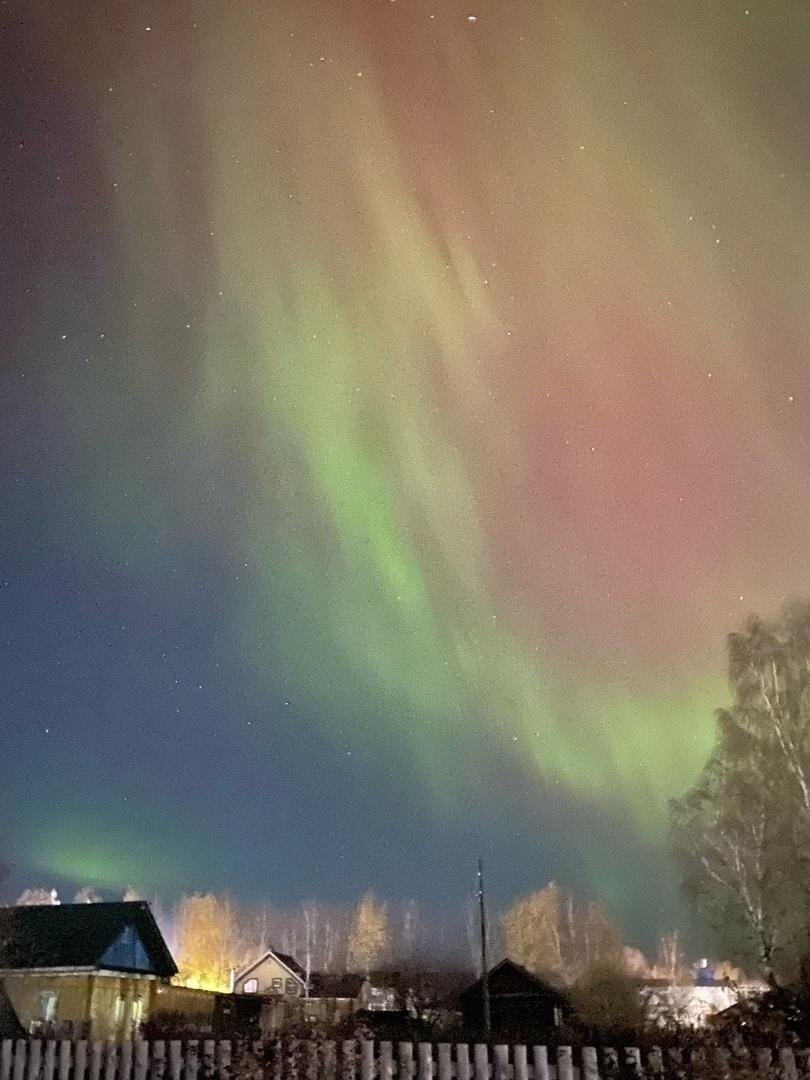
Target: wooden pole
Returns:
[[484, 958]]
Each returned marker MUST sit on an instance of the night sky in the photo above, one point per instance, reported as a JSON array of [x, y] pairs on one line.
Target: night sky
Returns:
[[400, 401]]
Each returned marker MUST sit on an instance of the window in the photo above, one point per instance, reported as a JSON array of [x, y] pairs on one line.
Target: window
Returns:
[[47, 1006], [251, 986], [276, 985], [120, 1005]]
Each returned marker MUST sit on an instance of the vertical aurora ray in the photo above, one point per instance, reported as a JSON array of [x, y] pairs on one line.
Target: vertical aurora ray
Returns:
[[480, 309]]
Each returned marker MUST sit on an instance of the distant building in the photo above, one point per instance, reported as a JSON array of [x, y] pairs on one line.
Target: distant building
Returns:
[[83, 969], [692, 1003], [274, 973], [519, 1001]]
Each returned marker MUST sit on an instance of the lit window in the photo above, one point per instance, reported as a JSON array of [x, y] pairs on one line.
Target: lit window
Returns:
[[47, 1006], [120, 1005], [251, 986], [137, 1011]]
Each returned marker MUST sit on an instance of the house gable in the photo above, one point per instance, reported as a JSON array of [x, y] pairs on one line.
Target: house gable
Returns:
[[272, 973], [127, 952]]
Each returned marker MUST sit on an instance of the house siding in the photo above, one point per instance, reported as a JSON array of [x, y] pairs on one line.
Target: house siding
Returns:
[[88, 1001]]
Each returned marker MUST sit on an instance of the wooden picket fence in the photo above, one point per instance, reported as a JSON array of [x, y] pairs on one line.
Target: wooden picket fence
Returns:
[[297, 1059]]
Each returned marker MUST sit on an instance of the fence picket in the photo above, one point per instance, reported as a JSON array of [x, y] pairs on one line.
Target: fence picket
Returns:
[[49, 1062], [224, 1059], [19, 1059], [141, 1059], [192, 1059], [787, 1064], [462, 1061], [500, 1062], [565, 1063], [96, 1058], [632, 1060], [329, 1060], [34, 1059], [540, 1062], [110, 1064], [590, 1063], [80, 1060], [208, 1056], [125, 1061], [405, 1056], [366, 1059], [425, 1061], [386, 1061], [481, 1061], [655, 1063], [610, 1058], [520, 1063], [312, 1065], [349, 1060], [445, 1056], [175, 1059]]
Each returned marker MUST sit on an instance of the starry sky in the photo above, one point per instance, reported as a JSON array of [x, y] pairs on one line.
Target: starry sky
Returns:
[[400, 401]]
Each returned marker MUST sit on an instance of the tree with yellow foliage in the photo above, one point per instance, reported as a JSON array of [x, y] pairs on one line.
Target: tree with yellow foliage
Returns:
[[370, 934], [206, 942]]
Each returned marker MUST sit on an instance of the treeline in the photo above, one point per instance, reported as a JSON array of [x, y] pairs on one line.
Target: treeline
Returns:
[[547, 932]]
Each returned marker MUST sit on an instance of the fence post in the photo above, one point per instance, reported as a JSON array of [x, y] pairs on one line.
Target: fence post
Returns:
[[500, 1062], [565, 1064], [481, 1059], [49, 1064], [540, 1062], [590, 1063], [96, 1058]]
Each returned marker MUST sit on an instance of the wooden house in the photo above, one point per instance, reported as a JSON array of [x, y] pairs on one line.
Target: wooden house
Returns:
[[520, 1002], [83, 969]]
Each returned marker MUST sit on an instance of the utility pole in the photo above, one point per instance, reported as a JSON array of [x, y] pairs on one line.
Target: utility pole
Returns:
[[484, 959]]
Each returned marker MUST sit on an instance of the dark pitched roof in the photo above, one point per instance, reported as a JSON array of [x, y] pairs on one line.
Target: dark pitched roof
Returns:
[[508, 979], [79, 935], [285, 958], [292, 964], [322, 984]]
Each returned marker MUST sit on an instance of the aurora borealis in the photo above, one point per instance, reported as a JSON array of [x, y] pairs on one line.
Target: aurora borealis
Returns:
[[401, 401]]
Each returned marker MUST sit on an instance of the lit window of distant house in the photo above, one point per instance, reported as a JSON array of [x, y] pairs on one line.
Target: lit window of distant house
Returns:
[[137, 1011], [119, 1009], [47, 1006], [251, 986]]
